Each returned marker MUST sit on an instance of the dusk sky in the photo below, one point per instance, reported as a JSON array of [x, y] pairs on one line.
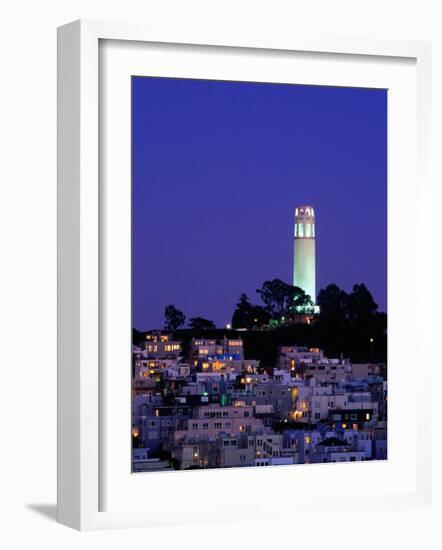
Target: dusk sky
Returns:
[[218, 168]]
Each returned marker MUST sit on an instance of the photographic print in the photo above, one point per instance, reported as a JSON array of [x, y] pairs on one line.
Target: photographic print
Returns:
[[259, 274]]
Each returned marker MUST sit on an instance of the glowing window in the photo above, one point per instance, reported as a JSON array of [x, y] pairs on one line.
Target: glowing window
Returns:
[[308, 230], [313, 229], [301, 230], [296, 212], [296, 229]]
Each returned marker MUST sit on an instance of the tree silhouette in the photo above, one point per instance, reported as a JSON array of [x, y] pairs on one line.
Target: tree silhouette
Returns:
[[361, 306], [174, 318], [333, 304], [282, 299], [351, 323], [199, 323], [247, 315]]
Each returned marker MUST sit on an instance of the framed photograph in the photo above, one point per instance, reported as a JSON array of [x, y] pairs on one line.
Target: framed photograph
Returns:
[[235, 225]]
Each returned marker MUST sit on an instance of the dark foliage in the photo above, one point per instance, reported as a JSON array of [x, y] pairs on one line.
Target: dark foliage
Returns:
[[199, 323], [247, 315], [284, 300], [173, 318], [349, 324]]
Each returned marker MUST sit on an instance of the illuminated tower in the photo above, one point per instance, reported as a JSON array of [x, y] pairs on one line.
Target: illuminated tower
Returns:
[[304, 271]]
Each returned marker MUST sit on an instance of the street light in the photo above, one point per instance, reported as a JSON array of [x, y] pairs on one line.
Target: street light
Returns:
[[371, 348]]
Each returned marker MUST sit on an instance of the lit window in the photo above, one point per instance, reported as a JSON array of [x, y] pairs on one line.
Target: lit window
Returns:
[[301, 230], [313, 229], [296, 212], [296, 229], [308, 230]]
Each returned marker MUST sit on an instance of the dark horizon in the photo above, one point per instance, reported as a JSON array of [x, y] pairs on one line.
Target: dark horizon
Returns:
[[218, 168]]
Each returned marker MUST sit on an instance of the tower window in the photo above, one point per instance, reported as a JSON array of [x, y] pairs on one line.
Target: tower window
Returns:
[[307, 211], [296, 229], [313, 229], [301, 230], [296, 212], [308, 230]]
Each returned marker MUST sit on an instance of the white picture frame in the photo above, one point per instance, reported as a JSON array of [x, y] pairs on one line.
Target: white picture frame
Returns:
[[80, 265]]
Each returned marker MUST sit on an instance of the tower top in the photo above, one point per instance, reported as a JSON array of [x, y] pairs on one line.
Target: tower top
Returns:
[[304, 222], [304, 211]]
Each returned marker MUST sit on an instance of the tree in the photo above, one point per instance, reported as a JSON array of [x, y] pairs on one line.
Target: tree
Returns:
[[247, 315], [351, 323], [284, 300], [199, 323], [275, 294], [361, 306], [243, 313], [334, 325], [300, 301], [174, 318], [260, 316], [333, 304]]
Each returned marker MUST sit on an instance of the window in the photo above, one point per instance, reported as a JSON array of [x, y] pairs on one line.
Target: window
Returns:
[[296, 229], [218, 425], [308, 230], [194, 426], [313, 229], [301, 230], [205, 426]]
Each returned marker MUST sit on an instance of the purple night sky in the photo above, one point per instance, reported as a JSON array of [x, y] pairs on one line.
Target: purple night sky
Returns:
[[217, 170]]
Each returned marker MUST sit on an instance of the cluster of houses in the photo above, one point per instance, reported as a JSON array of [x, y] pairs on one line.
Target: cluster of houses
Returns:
[[209, 407]]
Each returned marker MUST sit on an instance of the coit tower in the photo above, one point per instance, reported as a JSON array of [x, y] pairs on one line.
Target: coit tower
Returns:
[[304, 271]]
